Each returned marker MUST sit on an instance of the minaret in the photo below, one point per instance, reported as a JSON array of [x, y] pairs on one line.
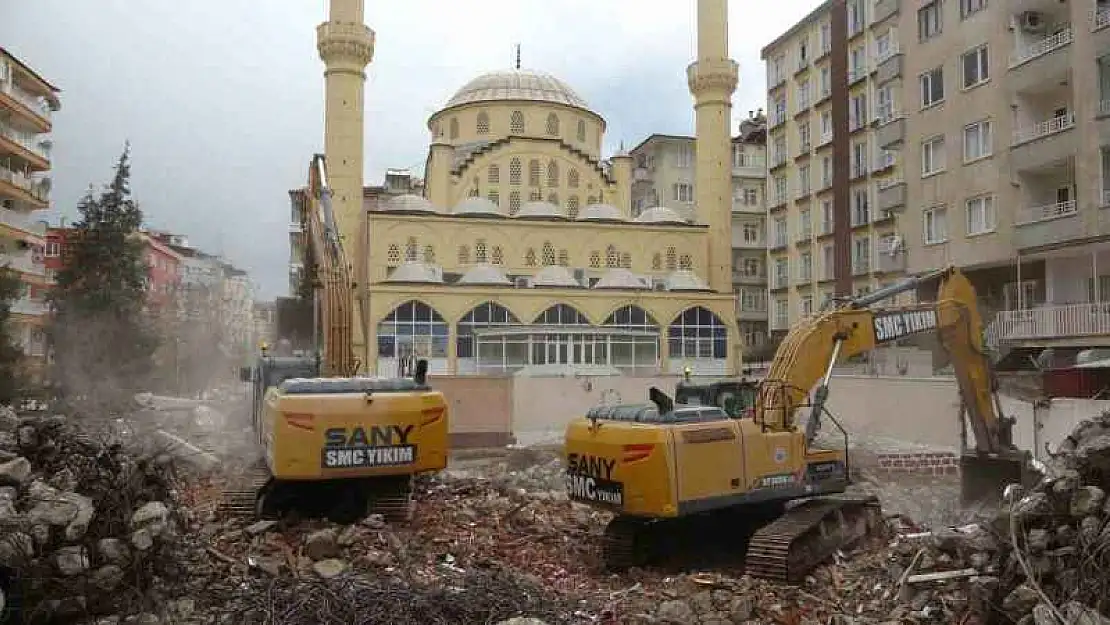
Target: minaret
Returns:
[[346, 46], [712, 79]]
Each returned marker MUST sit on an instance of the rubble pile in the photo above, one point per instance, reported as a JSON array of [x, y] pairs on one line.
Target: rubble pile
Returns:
[[85, 527], [1040, 561]]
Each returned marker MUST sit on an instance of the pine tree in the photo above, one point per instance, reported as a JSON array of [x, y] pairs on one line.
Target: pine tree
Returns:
[[102, 337], [12, 377]]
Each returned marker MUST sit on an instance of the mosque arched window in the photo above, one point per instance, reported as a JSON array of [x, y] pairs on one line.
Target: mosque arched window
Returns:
[[572, 207], [581, 130], [393, 255], [516, 123], [572, 178], [464, 254], [626, 260], [657, 262], [454, 128], [494, 197], [482, 126], [429, 254], [552, 124], [553, 174], [684, 262], [515, 171], [612, 258], [514, 202], [494, 174], [410, 250], [530, 257], [480, 251], [534, 173], [548, 254], [672, 259], [496, 256], [564, 258], [553, 198], [595, 259], [535, 196]]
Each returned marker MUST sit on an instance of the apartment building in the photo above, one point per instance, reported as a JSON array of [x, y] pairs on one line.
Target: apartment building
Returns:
[[396, 182], [663, 175], [801, 83], [27, 102]]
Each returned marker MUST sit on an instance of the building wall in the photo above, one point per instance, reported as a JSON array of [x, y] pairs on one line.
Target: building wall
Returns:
[[663, 175]]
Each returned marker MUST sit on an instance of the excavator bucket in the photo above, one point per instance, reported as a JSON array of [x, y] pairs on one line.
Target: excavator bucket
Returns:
[[983, 478]]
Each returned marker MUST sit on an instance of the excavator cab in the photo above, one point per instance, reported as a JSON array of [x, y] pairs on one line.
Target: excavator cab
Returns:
[[735, 397]]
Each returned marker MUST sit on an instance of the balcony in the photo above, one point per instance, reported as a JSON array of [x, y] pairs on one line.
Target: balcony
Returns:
[[883, 9], [1050, 321], [1047, 224], [747, 166], [861, 266], [23, 146], [295, 227], [1043, 143], [33, 108], [1100, 18], [749, 279], [891, 195], [24, 262], [884, 162], [857, 73], [23, 188], [891, 262], [1040, 65], [888, 65], [22, 225], [1024, 53], [641, 174], [28, 306], [891, 132]]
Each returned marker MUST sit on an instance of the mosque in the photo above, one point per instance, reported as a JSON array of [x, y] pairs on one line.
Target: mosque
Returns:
[[521, 252]]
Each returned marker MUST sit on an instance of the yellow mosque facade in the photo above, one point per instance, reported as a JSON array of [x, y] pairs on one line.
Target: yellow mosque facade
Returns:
[[521, 253]]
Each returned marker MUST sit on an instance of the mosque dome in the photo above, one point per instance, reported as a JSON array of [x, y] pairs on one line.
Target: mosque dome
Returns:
[[478, 207], [517, 84], [416, 272], [601, 212], [540, 210], [685, 280], [409, 203], [660, 215], [485, 275], [619, 278], [554, 276]]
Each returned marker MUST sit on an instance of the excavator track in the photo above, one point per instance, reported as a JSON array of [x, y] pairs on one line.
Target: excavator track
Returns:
[[805, 535], [243, 502], [622, 546]]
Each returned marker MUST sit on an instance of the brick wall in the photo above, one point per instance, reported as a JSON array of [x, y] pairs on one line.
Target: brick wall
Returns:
[[927, 462]]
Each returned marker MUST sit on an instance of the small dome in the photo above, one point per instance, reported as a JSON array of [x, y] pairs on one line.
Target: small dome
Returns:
[[517, 84], [409, 203], [485, 275], [660, 215], [541, 210], [478, 207], [601, 212], [621, 279], [684, 280], [555, 276], [418, 272]]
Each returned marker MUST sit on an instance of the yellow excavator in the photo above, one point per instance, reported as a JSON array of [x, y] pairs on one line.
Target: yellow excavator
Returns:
[[336, 444], [664, 467]]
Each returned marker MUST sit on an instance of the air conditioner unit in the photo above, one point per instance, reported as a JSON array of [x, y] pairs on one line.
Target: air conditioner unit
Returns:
[[1032, 22]]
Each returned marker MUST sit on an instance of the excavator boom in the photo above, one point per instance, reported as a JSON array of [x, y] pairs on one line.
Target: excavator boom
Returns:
[[811, 349]]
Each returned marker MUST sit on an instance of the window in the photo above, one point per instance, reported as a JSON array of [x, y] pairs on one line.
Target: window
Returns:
[[803, 137], [826, 217], [516, 122], [855, 17], [861, 254], [980, 215], [828, 261], [494, 176], [884, 45], [779, 154], [534, 173], [884, 104], [826, 82], [779, 111], [581, 130], [751, 233], [857, 66], [52, 249], [971, 7], [861, 210], [803, 95], [859, 159], [807, 305], [752, 268], [826, 172], [683, 192], [803, 52], [805, 219], [805, 271], [552, 174], [552, 124], [976, 67], [483, 123], [932, 156], [781, 312], [977, 140], [684, 156], [782, 272], [930, 20], [935, 226], [454, 128], [858, 111], [514, 171], [780, 189], [932, 87], [803, 180], [825, 37], [572, 178], [826, 126], [780, 231], [750, 196]]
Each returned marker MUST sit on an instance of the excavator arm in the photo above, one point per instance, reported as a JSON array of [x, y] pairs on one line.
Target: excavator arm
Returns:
[[808, 353], [333, 291]]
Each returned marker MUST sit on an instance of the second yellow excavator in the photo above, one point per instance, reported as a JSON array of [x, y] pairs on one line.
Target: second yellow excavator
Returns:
[[336, 444], [659, 464]]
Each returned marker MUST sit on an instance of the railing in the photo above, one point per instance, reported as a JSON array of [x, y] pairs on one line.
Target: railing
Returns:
[[1024, 54], [26, 183], [747, 164], [1051, 321], [25, 140], [1105, 198], [37, 104], [1100, 18], [889, 183], [857, 73], [1043, 129], [826, 138], [21, 221], [1103, 107], [640, 174], [294, 226], [885, 159], [1033, 214], [27, 306], [778, 159]]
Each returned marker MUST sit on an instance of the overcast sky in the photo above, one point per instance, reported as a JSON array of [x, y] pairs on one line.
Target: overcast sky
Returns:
[[222, 99]]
